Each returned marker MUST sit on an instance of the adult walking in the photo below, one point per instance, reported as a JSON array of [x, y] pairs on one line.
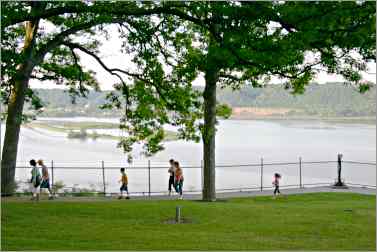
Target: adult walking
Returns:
[[178, 179], [45, 179], [171, 171], [35, 180]]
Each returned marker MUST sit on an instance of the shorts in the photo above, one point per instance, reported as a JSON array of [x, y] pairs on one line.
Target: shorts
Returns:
[[34, 189], [45, 184], [124, 187]]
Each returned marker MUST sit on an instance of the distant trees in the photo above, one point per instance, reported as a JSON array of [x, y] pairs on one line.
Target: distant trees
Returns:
[[331, 99]]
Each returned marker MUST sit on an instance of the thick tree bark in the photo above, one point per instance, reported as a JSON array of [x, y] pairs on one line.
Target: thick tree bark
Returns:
[[16, 101], [13, 123], [209, 134]]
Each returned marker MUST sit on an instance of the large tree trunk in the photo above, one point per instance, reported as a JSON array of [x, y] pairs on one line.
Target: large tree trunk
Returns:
[[13, 123], [209, 134], [16, 101]]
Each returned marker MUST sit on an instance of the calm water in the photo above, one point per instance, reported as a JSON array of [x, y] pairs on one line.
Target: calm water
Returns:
[[237, 142]]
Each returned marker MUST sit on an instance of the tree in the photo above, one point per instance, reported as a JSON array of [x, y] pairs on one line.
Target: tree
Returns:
[[32, 51], [251, 41], [245, 43], [230, 43]]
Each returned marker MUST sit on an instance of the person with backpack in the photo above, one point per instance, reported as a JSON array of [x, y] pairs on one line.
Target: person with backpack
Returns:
[[35, 180]]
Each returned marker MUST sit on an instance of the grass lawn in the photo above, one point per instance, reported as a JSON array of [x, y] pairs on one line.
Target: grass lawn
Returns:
[[320, 221]]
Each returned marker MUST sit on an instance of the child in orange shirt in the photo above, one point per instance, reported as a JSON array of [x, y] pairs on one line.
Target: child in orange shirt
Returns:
[[124, 186]]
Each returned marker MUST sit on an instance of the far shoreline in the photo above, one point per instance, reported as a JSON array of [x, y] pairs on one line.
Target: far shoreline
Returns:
[[346, 120]]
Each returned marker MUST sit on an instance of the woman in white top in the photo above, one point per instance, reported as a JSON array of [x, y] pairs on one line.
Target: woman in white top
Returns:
[[35, 180]]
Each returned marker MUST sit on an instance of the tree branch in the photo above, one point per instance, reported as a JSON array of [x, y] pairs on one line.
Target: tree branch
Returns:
[[231, 77], [98, 8], [115, 71], [76, 60], [44, 77]]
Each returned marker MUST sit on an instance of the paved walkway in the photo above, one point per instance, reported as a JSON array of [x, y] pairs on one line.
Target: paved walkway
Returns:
[[290, 191], [223, 195]]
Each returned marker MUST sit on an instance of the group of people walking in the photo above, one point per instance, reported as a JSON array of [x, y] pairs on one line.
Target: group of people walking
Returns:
[[176, 178], [38, 181], [42, 181]]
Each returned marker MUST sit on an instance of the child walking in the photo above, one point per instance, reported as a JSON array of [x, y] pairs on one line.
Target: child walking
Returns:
[[35, 180], [171, 171], [178, 179], [276, 182], [124, 186], [45, 179]]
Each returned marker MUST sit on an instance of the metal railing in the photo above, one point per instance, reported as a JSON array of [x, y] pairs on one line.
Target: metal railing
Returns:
[[258, 175]]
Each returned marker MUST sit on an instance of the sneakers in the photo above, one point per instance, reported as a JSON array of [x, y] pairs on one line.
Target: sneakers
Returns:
[[50, 197], [121, 197], [181, 197]]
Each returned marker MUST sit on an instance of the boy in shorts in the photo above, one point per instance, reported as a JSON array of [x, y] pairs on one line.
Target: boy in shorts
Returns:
[[124, 186]]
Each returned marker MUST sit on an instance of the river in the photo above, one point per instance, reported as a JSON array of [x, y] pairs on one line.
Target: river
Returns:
[[238, 142]]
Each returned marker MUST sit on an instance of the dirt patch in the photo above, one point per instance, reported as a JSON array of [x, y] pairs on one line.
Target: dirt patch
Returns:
[[216, 201], [183, 221]]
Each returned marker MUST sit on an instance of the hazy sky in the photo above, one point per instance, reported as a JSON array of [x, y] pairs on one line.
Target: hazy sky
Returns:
[[112, 57]]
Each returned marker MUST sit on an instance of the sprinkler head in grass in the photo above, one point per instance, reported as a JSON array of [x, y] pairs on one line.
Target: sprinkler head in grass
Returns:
[[178, 214]]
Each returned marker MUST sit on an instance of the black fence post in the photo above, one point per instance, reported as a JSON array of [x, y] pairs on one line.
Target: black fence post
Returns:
[[261, 175], [149, 178], [52, 173], [339, 182], [300, 172], [103, 178]]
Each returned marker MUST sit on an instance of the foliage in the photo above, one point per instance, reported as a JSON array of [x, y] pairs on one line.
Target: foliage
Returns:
[[223, 110], [58, 185]]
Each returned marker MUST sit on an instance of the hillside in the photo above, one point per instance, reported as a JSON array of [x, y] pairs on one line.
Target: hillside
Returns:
[[330, 100]]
